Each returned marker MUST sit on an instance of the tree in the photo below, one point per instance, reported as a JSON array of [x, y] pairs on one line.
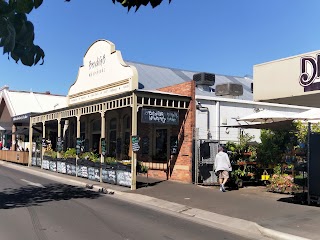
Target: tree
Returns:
[[17, 32], [274, 144]]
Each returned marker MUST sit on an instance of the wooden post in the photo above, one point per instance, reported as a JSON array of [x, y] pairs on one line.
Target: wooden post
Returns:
[[133, 133], [78, 136], [30, 142], [43, 137], [103, 136], [59, 136]]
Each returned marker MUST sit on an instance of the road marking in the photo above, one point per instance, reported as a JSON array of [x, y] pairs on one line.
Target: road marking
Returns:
[[33, 184]]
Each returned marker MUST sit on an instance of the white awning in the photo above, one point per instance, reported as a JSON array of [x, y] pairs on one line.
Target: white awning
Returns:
[[264, 116]]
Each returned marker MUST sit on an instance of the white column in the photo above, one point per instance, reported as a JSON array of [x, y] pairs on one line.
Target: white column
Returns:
[[133, 133], [13, 138], [78, 136], [217, 121], [59, 135], [65, 128], [43, 137], [30, 142], [103, 135]]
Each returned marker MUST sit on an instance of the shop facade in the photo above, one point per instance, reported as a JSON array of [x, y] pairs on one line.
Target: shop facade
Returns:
[[108, 114], [295, 80]]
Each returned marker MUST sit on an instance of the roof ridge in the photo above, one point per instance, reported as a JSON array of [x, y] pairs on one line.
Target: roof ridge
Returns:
[[179, 69]]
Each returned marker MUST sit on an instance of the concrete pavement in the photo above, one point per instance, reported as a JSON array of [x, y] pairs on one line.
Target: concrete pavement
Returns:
[[247, 212]]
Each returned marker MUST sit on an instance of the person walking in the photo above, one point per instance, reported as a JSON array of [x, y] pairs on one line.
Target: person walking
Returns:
[[222, 167]]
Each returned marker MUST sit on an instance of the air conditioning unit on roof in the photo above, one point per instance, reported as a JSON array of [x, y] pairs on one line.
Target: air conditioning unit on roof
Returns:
[[229, 89], [204, 78]]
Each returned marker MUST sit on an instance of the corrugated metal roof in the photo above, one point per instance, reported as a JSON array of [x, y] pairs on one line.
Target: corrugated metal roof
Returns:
[[25, 102], [154, 77]]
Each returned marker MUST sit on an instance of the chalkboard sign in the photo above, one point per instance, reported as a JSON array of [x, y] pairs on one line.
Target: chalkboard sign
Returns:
[[145, 145], [160, 116], [135, 143], [173, 145], [59, 144], [124, 178], [44, 143], [109, 176], [103, 146], [78, 146]]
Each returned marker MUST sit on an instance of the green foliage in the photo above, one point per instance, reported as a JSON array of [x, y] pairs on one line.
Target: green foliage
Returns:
[[70, 153], [277, 169], [90, 156], [244, 141], [302, 130], [273, 145], [17, 33], [137, 3], [110, 160], [50, 153], [142, 168], [231, 146]]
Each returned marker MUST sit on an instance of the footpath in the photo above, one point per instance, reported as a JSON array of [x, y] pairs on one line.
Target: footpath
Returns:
[[250, 211]]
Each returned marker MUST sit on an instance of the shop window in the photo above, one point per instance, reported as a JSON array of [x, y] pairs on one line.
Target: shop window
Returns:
[[161, 145], [113, 137], [96, 126]]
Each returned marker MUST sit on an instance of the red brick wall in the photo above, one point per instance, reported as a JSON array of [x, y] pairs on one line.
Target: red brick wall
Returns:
[[181, 165]]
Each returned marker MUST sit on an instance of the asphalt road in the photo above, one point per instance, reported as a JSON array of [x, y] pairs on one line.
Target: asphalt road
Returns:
[[36, 208]]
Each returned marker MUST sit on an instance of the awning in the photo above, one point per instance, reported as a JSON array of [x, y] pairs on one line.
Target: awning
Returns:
[[281, 125], [264, 116], [22, 131], [312, 114]]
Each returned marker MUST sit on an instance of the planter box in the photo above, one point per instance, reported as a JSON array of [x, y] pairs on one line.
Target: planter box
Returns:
[[82, 168], [94, 171], [71, 166], [109, 175], [123, 178], [53, 165], [61, 166], [45, 164]]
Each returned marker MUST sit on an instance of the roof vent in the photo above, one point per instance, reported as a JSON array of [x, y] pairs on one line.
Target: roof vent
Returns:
[[204, 79], [47, 92], [229, 89]]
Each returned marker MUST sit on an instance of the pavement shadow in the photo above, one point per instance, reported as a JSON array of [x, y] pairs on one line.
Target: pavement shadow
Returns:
[[33, 196], [143, 181], [298, 198]]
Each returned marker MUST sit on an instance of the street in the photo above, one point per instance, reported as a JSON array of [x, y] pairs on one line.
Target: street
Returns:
[[36, 208]]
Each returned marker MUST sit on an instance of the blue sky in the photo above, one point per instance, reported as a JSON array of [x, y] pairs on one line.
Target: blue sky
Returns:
[[224, 37]]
